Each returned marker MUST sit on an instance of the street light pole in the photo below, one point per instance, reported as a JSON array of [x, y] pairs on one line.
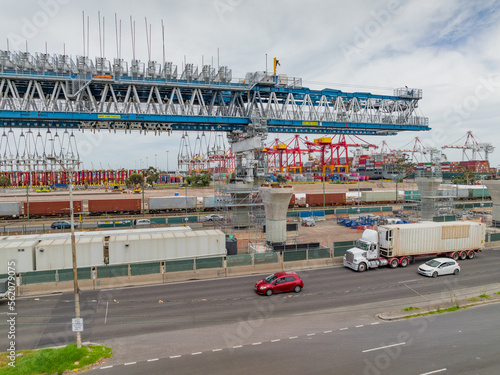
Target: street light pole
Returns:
[[167, 161], [73, 247]]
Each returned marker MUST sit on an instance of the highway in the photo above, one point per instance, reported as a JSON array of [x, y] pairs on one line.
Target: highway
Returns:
[[161, 321]]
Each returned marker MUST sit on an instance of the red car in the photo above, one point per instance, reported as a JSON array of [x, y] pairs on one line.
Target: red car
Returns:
[[279, 282]]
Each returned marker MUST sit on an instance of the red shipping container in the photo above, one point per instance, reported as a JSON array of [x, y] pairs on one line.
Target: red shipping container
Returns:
[[114, 205], [52, 208], [331, 199], [292, 201]]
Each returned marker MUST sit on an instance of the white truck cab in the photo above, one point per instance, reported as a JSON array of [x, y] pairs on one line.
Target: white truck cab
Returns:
[[366, 253]]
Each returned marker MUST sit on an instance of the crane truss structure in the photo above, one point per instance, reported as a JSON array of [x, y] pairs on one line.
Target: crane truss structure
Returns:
[[481, 150], [42, 91]]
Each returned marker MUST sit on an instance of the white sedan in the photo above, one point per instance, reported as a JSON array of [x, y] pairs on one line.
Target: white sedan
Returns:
[[439, 266]]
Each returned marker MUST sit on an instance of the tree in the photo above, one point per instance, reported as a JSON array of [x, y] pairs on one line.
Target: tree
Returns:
[[152, 175], [135, 179], [404, 167], [280, 179], [466, 177], [199, 179], [4, 181]]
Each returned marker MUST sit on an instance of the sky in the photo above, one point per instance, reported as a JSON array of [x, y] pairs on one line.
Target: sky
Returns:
[[447, 48]]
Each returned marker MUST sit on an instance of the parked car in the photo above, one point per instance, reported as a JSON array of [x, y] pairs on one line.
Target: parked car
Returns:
[[214, 217], [62, 224], [142, 222], [44, 190], [279, 282], [439, 266], [308, 221]]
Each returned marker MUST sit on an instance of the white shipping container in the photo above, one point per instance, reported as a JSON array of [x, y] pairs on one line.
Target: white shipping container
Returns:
[[169, 203], [430, 238], [57, 254], [20, 252], [10, 209]]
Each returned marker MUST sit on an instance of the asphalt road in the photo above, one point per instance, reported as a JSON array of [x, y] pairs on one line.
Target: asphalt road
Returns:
[[125, 312], [465, 342]]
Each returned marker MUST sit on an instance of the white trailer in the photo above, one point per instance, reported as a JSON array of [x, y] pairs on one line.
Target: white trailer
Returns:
[[399, 244]]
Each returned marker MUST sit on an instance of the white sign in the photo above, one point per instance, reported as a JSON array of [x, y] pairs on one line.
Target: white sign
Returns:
[[77, 324]]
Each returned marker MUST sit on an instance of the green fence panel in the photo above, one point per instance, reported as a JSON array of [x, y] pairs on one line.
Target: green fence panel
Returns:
[[114, 224], [111, 271], [341, 211], [343, 243], [81, 273], [495, 237], [38, 277], [318, 254], [4, 276], [239, 260], [330, 211], [182, 219], [290, 256], [450, 218], [265, 258], [179, 265], [387, 209], [158, 221], [145, 268], [438, 219], [204, 263], [292, 214]]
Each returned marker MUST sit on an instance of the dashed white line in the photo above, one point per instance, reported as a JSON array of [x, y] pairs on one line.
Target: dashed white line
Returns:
[[292, 337], [129, 363], [434, 372], [362, 325], [154, 359], [328, 331], [374, 324], [383, 347], [175, 356], [256, 343], [237, 346], [105, 367], [343, 329], [216, 350], [196, 353], [311, 334], [106, 316], [275, 340]]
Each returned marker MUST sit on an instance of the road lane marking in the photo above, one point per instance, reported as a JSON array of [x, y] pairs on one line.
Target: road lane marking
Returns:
[[275, 340], [362, 325], [237, 346], [373, 324], [129, 363], [175, 356], [311, 334], [292, 337], [216, 350], [343, 329], [196, 353], [105, 367], [106, 316], [434, 372], [383, 347], [154, 359], [257, 343], [327, 331], [409, 281]]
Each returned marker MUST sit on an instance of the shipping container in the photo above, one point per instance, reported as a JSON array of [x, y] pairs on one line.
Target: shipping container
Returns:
[[329, 199], [51, 208], [378, 196], [19, 250], [11, 209], [114, 205], [430, 238], [172, 203]]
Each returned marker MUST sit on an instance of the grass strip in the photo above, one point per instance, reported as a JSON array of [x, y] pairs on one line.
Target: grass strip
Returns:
[[53, 361]]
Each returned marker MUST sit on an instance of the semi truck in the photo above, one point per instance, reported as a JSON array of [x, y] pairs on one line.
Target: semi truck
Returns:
[[399, 244]]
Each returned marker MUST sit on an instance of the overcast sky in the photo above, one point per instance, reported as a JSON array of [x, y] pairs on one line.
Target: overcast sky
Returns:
[[448, 48]]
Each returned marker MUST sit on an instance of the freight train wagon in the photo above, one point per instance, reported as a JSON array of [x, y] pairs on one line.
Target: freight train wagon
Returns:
[[327, 199], [51, 208], [98, 206], [175, 203], [10, 210]]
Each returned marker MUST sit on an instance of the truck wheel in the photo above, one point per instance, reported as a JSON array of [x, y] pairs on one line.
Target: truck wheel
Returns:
[[404, 262], [471, 254], [455, 256], [434, 274], [463, 255], [394, 263], [362, 267]]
